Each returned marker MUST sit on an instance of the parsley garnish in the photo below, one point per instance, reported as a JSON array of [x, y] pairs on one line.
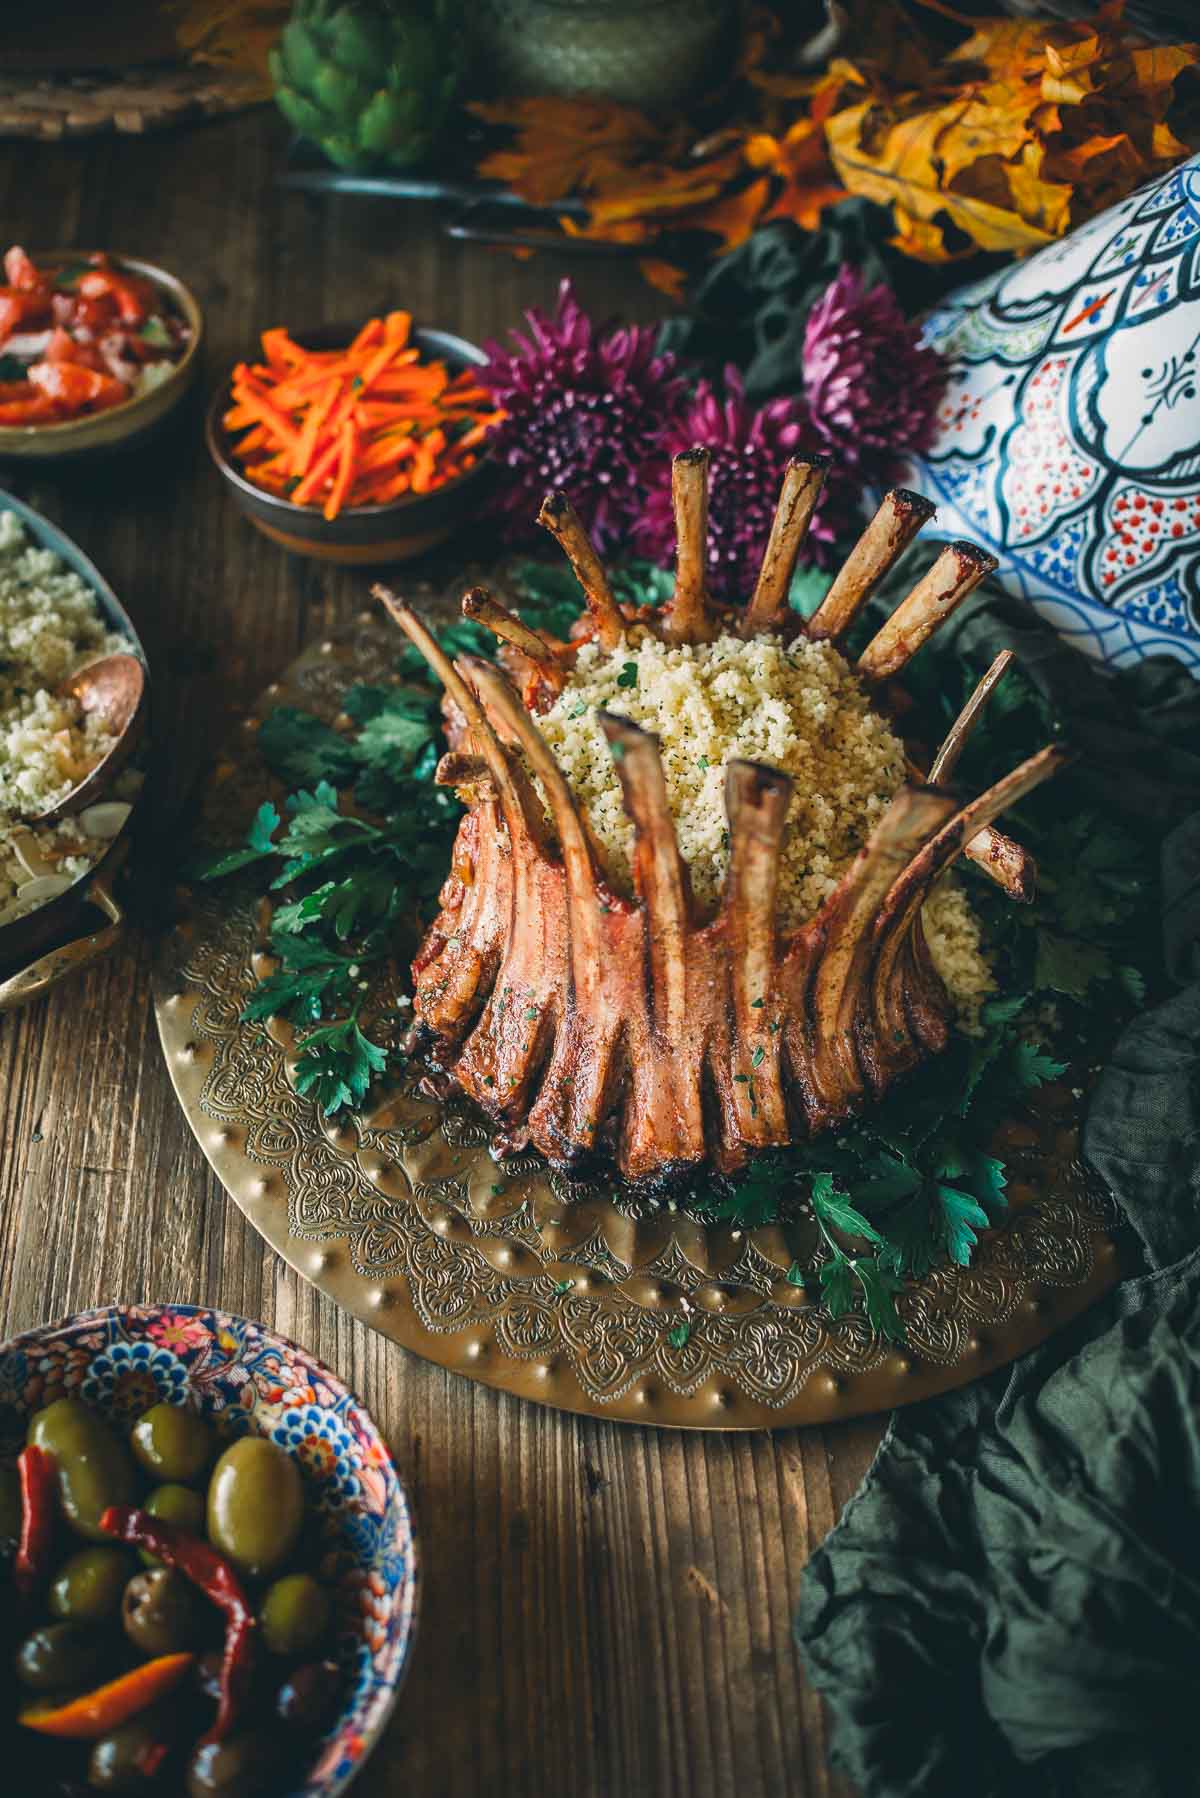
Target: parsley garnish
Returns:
[[344, 878], [155, 332], [628, 676]]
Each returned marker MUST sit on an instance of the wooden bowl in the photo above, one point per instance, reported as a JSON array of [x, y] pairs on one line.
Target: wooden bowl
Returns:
[[361, 534], [119, 425]]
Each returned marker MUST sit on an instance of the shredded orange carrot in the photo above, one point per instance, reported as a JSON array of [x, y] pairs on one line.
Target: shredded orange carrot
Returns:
[[357, 426]]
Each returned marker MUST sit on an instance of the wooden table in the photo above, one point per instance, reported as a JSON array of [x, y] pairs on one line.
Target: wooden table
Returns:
[[607, 1609]]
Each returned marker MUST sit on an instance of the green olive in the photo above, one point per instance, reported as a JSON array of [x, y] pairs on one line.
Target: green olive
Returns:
[[128, 1758], [178, 1505], [88, 1587], [59, 1655], [158, 1611], [240, 1767], [172, 1443], [94, 1470], [255, 1505], [10, 1509], [295, 1614]]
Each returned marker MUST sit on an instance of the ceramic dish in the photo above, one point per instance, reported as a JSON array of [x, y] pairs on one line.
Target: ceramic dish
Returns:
[[119, 425], [43, 947], [361, 534], [245, 1379]]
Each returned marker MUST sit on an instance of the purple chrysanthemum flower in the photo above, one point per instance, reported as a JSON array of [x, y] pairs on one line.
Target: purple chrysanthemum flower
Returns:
[[872, 391], [587, 411], [749, 451]]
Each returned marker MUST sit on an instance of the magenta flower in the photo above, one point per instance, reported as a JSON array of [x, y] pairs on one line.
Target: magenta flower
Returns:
[[868, 399], [872, 391], [586, 411], [749, 451]]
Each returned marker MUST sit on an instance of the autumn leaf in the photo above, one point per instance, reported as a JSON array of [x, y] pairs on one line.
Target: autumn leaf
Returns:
[[666, 276], [1003, 143], [733, 218], [564, 147], [801, 160], [1022, 132]]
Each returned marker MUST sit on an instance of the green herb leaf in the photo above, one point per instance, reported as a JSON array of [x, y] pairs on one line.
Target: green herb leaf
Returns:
[[301, 750], [310, 978], [1133, 983], [961, 1218], [258, 838], [628, 676], [879, 1287], [809, 587], [337, 1065], [155, 332], [1068, 966], [1032, 1067], [837, 1285], [837, 1212], [12, 368]]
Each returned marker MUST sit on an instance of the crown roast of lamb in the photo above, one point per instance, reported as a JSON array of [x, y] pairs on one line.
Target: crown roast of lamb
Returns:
[[698, 905]]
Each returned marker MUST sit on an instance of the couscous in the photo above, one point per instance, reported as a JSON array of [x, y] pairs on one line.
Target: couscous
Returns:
[[798, 707], [49, 626]]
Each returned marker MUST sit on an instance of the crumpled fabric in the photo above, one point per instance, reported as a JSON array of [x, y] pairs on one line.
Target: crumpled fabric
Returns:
[[1011, 1602]]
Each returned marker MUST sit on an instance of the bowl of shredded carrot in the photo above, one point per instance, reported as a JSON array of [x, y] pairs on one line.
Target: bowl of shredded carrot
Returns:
[[356, 445]]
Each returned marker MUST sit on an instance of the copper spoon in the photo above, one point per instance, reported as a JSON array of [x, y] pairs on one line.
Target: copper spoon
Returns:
[[113, 688]]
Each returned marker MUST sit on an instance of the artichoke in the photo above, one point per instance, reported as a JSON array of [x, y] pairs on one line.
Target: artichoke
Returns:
[[371, 83]]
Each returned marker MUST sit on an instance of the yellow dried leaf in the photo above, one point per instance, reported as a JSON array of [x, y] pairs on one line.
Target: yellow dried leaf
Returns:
[[1024, 130], [901, 173]]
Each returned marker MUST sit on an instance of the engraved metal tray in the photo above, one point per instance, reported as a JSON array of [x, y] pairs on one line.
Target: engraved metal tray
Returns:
[[511, 1275]]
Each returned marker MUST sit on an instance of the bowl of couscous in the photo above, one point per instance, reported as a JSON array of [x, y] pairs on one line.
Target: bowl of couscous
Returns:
[[57, 613]]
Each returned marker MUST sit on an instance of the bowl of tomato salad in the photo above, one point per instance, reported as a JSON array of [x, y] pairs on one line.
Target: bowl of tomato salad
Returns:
[[360, 443], [95, 349]]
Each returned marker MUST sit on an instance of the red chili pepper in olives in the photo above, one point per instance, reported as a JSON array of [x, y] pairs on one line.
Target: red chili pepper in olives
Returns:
[[31, 1567], [212, 1573]]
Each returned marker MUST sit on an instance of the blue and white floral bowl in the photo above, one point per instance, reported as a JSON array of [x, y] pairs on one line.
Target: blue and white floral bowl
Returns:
[[245, 1379], [1069, 438]]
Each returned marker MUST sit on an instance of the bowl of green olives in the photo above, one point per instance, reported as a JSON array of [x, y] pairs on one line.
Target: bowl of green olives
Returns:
[[208, 1573]]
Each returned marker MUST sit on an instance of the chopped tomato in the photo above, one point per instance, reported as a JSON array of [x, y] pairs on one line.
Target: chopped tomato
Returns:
[[40, 410], [21, 273], [135, 299], [71, 386], [62, 347], [19, 308]]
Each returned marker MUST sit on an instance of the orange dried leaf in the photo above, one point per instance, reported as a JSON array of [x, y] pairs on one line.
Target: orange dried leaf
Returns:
[[666, 277]]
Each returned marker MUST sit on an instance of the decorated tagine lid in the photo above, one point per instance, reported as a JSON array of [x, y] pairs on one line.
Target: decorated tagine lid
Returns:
[[1069, 436]]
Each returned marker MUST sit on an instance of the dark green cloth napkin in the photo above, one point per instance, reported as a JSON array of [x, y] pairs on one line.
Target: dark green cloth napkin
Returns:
[[1011, 1603]]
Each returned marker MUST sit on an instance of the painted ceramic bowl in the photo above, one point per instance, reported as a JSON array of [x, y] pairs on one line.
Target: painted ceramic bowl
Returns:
[[244, 1379], [122, 425], [365, 535], [1069, 437]]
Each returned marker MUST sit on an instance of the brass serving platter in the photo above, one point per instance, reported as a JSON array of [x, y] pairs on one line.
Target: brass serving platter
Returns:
[[512, 1276]]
